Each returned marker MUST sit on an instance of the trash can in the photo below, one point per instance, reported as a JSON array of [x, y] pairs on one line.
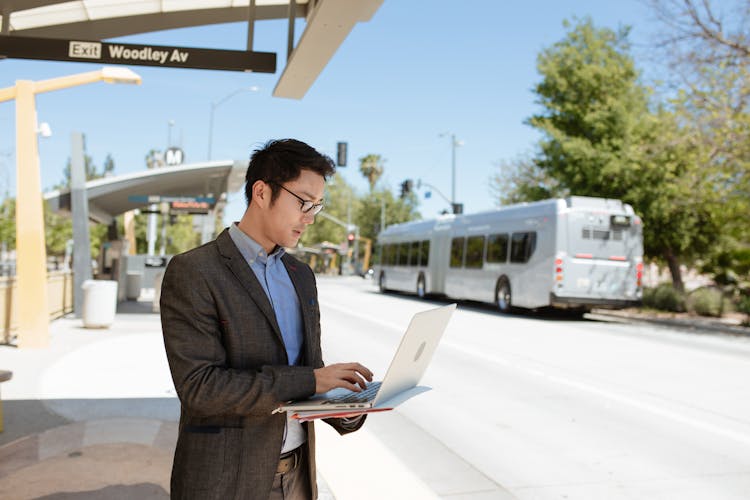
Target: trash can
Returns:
[[99, 303], [133, 285]]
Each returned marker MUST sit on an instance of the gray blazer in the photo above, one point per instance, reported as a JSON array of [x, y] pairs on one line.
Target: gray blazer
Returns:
[[230, 369]]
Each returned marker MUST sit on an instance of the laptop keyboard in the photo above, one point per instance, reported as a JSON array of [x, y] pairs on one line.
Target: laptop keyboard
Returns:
[[356, 397]]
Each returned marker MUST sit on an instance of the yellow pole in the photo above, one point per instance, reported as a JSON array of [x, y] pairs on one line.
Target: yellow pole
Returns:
[[31, 254]]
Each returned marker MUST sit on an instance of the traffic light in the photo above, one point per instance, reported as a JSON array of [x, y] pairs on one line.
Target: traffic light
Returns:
[[349, 239], [341, 154], [406, 187]]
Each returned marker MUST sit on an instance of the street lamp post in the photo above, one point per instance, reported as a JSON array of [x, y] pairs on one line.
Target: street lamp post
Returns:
[[31, 255], [216, 104], [454, 144]]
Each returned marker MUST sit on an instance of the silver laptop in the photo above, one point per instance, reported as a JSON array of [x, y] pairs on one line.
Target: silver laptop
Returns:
[[407, 367]]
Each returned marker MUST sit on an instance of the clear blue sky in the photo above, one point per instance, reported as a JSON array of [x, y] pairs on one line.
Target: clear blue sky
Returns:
[[417, 69]]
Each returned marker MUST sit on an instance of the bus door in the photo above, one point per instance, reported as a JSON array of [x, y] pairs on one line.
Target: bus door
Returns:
[[455, 271], [439, 259]]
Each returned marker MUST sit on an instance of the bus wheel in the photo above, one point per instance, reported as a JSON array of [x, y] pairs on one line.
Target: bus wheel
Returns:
[[420, 287], [502, 295], [381, 282]]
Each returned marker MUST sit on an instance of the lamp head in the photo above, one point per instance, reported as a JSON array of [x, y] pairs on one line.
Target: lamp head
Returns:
[[112, 74]]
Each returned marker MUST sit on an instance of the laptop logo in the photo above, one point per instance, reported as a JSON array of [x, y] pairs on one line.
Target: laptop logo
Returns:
[[420, 351]]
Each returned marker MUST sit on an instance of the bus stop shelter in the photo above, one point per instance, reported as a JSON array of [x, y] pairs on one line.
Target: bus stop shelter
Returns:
[[78, 30]]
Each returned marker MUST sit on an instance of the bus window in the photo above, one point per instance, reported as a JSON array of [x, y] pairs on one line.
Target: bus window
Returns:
[[474, 251], [414, 261], [424, 257], [392, 252], [600, 234], [522, 246], [497, 248], [457, 252], [403, 254]]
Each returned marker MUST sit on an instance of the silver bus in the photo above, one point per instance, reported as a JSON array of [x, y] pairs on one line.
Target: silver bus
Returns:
[[577, 253]]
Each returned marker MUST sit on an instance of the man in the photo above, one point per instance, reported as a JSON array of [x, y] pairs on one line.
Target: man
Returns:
[[241, 327]]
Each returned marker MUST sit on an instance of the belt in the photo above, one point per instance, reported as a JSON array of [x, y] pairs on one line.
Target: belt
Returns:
[[289, 461]]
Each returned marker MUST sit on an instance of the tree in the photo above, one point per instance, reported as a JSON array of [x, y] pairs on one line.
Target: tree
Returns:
[[707, 49], [59, 229], [90, 168], [181, 235], [8, 223], [371, 167], [600, 138], [593, 112], [397, 210], [523, 180]]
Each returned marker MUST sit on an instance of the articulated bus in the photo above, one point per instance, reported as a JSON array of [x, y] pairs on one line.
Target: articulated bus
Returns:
[[574, 253]]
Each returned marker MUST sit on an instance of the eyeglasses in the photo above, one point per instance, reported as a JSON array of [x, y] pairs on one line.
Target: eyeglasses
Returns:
[[306, 206]]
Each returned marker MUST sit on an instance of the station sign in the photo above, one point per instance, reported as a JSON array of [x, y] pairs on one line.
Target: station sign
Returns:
[[22, 47], [147, 199], [174, 156], [193, 207]]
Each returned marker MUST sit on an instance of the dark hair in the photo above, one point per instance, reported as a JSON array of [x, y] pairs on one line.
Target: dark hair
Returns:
[[282, 160]]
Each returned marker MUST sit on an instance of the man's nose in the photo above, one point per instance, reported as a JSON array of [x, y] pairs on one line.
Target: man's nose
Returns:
[[308, 217]]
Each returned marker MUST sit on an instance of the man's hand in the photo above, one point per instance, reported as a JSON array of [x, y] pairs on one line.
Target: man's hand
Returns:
[[350, 376]]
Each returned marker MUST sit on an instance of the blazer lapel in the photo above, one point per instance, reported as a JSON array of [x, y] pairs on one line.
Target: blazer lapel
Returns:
[[306, 297], [239, 267]]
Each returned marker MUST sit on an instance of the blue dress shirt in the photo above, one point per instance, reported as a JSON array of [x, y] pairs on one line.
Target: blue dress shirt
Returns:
[[273, 277]]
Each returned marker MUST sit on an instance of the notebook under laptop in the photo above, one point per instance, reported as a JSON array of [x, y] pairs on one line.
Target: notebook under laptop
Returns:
[[407, 367]]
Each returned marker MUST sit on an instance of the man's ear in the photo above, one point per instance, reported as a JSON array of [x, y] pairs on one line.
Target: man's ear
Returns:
[[262, 193]]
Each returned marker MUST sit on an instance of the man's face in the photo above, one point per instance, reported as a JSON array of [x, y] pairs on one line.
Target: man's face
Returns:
[[285, 220]]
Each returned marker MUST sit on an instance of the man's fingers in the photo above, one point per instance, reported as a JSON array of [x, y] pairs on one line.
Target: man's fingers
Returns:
[[360, 369], [352, 376]]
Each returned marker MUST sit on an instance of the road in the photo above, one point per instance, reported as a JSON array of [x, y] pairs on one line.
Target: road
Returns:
[[539, 407]]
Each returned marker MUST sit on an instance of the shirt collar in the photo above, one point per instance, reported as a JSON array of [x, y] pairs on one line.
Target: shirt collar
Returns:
[[251, 249]]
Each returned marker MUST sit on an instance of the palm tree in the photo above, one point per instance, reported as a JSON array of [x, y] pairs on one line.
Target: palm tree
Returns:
[[371, 167]]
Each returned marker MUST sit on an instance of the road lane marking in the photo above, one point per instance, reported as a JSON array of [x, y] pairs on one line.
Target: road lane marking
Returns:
[[719, 430]]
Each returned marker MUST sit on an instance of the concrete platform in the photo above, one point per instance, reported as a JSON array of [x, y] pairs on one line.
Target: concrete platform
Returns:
[[94, 416]]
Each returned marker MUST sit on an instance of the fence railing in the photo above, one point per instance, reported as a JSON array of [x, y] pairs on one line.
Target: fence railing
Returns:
[[59, 301]]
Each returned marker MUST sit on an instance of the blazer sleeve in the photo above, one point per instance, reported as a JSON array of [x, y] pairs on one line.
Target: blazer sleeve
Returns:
[[197, 356]]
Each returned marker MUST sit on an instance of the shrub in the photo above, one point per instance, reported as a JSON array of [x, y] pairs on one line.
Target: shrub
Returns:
[[743, 304], [706, 302], [664, 297]]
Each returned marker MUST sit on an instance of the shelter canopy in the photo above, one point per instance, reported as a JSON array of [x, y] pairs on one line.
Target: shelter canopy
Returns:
[[111, 196], [328, 22]]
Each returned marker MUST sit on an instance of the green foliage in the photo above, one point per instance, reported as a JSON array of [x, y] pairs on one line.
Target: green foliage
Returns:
[[684, 176], [743, 303], [8, 222], [180, 235], [523, 180], [92, 171], [371, 167], [706, 302], [58, 230], [593, 112], [664, 297], [396, 210]]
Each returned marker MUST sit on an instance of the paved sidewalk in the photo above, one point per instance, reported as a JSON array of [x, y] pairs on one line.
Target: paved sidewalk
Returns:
[[94, 416]]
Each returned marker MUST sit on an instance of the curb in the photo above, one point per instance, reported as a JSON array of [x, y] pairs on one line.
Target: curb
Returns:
[[695, 324]]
